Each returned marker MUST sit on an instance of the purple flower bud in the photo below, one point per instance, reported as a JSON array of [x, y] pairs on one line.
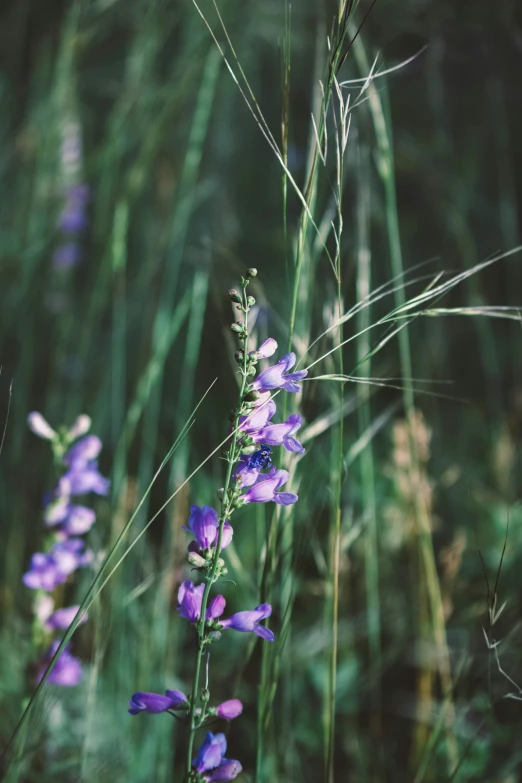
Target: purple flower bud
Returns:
[[189, 600], [248, 622], [277, 376], [211, 752], [40, 426], [266, 349], [229, 769], [203, 524], [229, 709], [67, 670], [154, 703], [216, 607], [62, 618], [226, 536]]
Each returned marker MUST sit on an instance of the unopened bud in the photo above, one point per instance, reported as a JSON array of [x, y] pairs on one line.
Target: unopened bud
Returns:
[[196, 560], [205, 695], [251, 370], [252, 272], [220, 562], [234, 296], [239, 356], [237, 327], [249, 449], [251, 301], [252, 396], [220, 493]]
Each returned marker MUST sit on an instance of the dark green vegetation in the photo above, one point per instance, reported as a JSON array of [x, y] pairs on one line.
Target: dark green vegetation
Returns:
[[381, 671]]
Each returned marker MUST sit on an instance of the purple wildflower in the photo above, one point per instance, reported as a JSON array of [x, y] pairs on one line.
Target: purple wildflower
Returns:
[[40, 426], [154, 703], [211, 759], [229, 709], [266, 488], [274, 377], [67, 669], [189, 602], [204, 524], [248, 622], [280, 434], [258, 418], [62, 618]]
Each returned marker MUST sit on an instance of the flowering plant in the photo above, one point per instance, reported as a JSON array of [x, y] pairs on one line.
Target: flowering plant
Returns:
[[252, 437], [75, 455]]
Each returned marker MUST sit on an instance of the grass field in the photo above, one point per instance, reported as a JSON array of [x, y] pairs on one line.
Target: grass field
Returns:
[[364, 159]]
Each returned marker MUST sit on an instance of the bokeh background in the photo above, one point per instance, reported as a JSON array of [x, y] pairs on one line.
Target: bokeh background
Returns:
[[381, 670]]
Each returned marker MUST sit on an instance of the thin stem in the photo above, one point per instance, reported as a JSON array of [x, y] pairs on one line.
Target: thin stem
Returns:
[[211, 575]]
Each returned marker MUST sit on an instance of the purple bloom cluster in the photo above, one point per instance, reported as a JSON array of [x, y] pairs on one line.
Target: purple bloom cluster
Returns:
[[65, 520], [72, 219], [251, 478]]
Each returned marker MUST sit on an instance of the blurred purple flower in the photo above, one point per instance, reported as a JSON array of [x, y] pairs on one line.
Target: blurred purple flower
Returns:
[[67, 255], [274, 377], [229, 709], [154, 703], [73, 217], [62, 618], [248, 622], [80, 481], [266, 488], [67, 669], [71, 519], [52, 568], [83, 452]]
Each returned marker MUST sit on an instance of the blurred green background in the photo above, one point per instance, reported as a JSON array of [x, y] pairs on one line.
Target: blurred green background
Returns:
[[381, 671]]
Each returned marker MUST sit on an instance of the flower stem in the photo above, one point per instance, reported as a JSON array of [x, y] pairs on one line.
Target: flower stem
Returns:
[[225, 513]]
